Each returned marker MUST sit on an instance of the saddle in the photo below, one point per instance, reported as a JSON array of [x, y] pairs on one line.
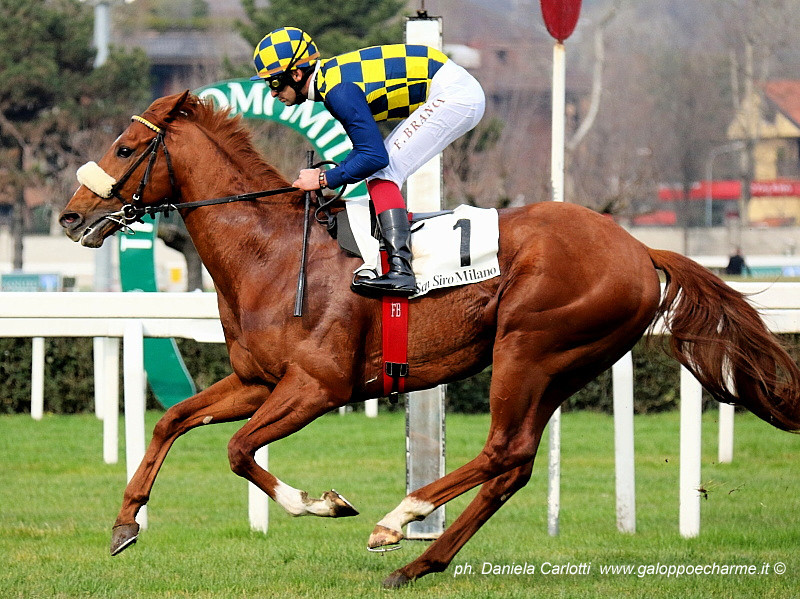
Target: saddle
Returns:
[[457, 247]]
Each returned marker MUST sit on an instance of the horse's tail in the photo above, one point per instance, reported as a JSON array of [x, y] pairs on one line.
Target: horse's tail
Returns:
[[723, 341]]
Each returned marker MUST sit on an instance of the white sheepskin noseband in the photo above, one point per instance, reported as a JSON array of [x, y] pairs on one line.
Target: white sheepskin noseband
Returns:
[[96, 179]]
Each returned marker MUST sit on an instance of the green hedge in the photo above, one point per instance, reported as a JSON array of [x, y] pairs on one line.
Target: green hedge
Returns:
[[656, 386], [69, 376], [69, 381]]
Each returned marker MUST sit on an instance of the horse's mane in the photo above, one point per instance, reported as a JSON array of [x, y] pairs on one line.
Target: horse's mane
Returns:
[[229, 133]]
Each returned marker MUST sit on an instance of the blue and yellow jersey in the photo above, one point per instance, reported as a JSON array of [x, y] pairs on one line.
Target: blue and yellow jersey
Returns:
[[373, 84], [395, 78]]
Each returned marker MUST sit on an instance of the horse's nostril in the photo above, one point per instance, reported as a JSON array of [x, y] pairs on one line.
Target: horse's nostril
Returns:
[[69, 219]]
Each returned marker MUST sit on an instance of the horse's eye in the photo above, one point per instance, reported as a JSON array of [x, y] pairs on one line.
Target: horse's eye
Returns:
[[124, 152]]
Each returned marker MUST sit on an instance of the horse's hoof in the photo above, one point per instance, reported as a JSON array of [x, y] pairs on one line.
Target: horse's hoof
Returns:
[[123, 536], [340, 507], [395, 580], [382, 536]]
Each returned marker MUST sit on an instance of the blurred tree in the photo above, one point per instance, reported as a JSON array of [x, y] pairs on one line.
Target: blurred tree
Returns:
[[465, 161], [178, 15], [336, 25], [690, 121], [54, 107]]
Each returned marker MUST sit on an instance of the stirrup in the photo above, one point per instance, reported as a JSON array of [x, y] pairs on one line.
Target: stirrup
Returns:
[[358, 277], [384, 285]]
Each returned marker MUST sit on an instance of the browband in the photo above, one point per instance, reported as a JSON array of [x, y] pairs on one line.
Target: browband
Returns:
[[147, 123]]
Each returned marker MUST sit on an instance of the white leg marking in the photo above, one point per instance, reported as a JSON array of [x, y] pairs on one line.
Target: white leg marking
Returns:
[[298, 503], [409, 509], [290, 499]]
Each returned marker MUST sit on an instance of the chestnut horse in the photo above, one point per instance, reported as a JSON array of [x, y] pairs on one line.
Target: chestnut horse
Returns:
[[575, 293]]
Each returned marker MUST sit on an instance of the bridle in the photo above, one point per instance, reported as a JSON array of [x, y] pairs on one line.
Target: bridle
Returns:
[[150, 152], [133, 211]]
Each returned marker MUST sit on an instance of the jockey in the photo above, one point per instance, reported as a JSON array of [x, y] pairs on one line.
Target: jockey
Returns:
[[438, 101]]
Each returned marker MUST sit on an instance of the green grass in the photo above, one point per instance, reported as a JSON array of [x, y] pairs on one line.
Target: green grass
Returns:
[[58, 501]]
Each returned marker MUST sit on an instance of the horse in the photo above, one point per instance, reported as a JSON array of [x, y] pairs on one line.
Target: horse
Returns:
[[574, 294]]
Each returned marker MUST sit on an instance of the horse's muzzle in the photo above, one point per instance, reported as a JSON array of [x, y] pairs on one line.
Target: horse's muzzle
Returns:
[[91, 235]]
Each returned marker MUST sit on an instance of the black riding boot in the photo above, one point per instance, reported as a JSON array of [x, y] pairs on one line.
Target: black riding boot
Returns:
[[397, 239]]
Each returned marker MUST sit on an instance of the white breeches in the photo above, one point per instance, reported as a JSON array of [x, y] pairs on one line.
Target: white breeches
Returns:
[[455, 104]]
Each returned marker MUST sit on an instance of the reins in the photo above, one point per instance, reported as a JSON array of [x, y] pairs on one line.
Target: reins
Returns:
[[134, 212]]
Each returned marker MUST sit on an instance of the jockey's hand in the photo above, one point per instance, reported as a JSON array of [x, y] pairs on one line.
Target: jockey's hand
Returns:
[[308, 180]]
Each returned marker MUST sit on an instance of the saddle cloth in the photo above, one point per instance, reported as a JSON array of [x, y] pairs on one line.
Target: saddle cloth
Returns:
[[453, 248]]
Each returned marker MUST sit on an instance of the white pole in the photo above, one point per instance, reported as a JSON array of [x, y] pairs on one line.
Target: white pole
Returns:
[[109, 398], [559, 119], [622, 383], [425, 436], [257, 500], [104, 255], [557, 179], [134, 384], [37, 378], [726, 411], [690, 454], [102, 32]]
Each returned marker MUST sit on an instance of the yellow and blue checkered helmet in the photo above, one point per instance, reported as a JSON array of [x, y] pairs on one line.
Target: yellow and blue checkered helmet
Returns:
[[282, 50]]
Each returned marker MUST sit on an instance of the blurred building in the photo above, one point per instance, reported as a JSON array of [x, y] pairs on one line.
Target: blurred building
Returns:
[[772, 119]]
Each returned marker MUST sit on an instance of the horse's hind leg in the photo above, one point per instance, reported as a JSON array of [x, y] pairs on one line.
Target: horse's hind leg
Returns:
[[225, 401], [489, 499], [515, 435], [518, 417]]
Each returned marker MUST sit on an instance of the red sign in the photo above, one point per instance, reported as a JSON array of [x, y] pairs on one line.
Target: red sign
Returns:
[[560, 17], [731, 190]]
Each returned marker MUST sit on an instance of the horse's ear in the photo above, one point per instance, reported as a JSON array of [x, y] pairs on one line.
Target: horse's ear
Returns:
[[165, 110], [173, 111]]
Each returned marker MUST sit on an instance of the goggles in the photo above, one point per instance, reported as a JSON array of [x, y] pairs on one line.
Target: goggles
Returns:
[[277, 83]]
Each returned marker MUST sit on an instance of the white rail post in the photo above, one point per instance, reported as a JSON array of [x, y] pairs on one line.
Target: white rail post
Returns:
[[725, 452], [622, 383], [37, 378], [98, 349], [109, 396], [257, 500], [134, 385], [371, 408], [690, 454]]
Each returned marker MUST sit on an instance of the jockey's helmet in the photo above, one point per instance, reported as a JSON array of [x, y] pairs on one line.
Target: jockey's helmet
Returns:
[[283, 50]]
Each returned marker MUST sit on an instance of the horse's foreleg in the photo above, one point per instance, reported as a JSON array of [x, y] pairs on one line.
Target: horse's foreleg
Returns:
[[492, 496], [225, 401], [296, 401]]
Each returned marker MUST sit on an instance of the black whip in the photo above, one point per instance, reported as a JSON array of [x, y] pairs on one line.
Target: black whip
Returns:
[[301, 276]]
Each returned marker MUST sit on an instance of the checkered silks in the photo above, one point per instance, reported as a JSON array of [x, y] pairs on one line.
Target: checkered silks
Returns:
[[395, 78]]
